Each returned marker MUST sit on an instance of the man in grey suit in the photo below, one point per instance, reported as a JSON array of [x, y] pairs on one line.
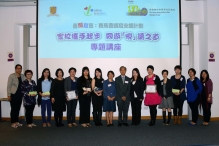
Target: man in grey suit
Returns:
[[123, 96]]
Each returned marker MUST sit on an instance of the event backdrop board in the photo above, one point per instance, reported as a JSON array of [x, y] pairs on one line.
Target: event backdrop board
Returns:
[[108, 34]]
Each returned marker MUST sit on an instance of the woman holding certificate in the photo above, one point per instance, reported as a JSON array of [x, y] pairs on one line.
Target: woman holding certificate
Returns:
[[29, 91], [58, 97], [194, 88], [97, 96], [71, 96], [152, 98], [167, 99], [206, 96], [43, 88], [109, 92], [84, 96], [179, 95]]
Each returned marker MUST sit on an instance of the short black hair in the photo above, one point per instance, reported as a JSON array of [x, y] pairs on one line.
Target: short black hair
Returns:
[[72, 68], [150, 66], [111, 73], [18, 65], [178, 67], [28, 71], [193, 70], [163, 71], [59, 69], [122, 67]]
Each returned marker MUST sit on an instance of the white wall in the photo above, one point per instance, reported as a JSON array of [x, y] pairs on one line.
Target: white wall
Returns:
[[203, 14]]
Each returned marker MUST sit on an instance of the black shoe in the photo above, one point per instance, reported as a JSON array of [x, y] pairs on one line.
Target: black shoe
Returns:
[[57, 125], [125, 124], [97, 124], [133, 124], [108, 125], [100, 124], [152, 124], [60, 124], [120, 125], [112, 124], [168, 123]]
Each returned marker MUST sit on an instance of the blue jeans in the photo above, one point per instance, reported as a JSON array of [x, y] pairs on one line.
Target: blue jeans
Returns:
[[46, 105]]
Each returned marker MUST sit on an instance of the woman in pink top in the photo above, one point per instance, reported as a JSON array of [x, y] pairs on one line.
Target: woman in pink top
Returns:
[[152, 99]]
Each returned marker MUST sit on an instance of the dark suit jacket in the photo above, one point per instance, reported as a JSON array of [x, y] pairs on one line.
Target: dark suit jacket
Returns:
[[138, 88], [157, 82], [122, 89], [168, 89], [68, 84]]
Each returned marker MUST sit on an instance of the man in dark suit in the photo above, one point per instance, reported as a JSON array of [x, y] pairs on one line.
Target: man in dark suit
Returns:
[[123, 96]]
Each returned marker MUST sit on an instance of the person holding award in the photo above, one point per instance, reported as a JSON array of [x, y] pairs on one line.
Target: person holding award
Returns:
[[123, 85], [43, 89], [58, 97], [109, 92], [71, 96], [152, 89], [29, 91], [84, 96], [167, 99], [97, 96], [179, 95]]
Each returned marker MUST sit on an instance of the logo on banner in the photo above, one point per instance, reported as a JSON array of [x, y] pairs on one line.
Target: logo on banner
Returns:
[[53, 11], [211, 57], [10, 56], [134, 10], [88, 11]]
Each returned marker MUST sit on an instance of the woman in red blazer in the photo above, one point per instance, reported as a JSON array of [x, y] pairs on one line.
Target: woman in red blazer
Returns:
[[206, 96]]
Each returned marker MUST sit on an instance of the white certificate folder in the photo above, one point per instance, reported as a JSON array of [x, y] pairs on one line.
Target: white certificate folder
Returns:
[[71, 95]]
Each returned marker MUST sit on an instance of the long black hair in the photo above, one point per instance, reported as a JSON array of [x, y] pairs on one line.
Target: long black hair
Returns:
[[201, 78], [137, 71], [42, 76], [83, 69], [99, 70]]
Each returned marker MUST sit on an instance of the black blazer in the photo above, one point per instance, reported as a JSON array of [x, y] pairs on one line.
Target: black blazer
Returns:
[[39, 89], [138, 88], [157, 82], [122, 89], [168, 89]]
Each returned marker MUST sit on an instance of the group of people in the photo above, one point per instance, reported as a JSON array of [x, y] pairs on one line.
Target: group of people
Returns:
[[52, 95]]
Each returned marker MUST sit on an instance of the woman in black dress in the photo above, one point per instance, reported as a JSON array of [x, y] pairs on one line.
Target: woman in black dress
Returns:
[[84, 91], [97, 96], [58, 95]]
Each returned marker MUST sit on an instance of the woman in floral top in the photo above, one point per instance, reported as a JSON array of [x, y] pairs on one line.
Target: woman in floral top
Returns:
[[29, 100]]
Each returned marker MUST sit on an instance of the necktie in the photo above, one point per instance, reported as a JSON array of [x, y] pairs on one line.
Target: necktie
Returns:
[[123, 79]]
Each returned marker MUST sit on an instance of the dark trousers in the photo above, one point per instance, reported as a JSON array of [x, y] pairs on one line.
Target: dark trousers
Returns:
[[97, 102], [179, 108], [71, 107], [29, 113], [136, 110], [194, 108], [58, 115], [46, 106], [84, 103], [123, 107], [15, 109], [206, 111]]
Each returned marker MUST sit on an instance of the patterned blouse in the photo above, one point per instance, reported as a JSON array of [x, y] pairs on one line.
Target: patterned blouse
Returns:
[[27, 87]]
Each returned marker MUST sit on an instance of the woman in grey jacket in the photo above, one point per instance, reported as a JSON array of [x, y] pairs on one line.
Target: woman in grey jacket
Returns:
[[14, 94], [71, 85]]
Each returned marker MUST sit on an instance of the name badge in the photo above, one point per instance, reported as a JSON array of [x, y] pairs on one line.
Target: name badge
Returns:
[[161, 83], [203, 84], [109, 85], [154, 78], [102, 81], [126, 82], [181, 79]]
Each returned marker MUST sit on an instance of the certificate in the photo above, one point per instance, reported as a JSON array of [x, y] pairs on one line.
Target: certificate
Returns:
[[175, 90], [151, 89], [46, 93], [71, 95], [33, 93]]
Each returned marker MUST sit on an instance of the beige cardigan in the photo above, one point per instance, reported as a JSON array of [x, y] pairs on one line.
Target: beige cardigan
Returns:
[[13, 83]]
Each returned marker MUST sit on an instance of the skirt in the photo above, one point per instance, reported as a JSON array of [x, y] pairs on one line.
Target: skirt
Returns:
[[167, 103]]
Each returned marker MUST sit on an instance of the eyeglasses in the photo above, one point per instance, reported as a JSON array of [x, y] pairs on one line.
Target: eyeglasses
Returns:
[[28, 74], [18, 68]]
